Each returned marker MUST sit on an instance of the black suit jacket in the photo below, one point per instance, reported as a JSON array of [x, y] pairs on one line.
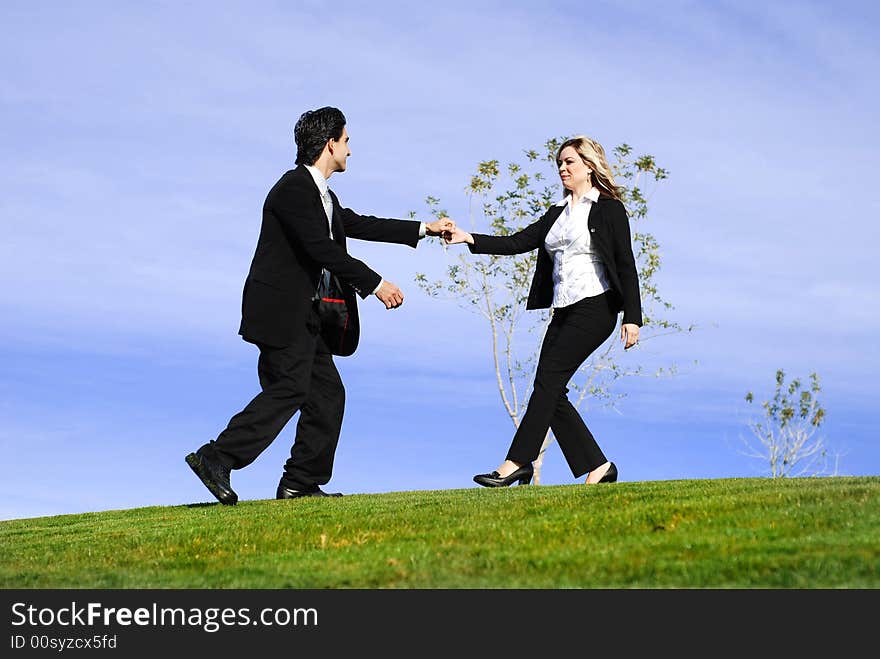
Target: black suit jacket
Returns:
[[294, 245], [609, 233]]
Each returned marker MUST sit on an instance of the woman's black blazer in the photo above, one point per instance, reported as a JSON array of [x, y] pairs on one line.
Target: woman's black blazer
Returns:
[[609, 233]]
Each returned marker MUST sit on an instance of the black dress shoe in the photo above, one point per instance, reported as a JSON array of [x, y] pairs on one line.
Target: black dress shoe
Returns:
[[289, 493], [523, 475], [610, 475], [214, 476]]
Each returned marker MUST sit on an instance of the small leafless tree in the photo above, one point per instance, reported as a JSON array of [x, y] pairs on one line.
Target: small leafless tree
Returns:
[[787, 437]]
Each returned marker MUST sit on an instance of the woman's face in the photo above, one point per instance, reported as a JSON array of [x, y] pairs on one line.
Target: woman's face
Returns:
[[573, 172]]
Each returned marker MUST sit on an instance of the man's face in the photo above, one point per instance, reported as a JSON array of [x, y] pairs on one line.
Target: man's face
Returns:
[[340, 151]]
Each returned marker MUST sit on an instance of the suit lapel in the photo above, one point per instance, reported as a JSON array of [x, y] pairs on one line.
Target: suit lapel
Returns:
[[599, 232], [336, 222], [551, 217], [317, 203], [594, 219]]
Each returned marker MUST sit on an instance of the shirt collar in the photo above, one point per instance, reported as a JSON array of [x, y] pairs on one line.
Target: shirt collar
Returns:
[[320, 181], [592, 195]]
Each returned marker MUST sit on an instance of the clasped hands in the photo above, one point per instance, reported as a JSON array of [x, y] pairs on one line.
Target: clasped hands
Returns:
[[389, 294]]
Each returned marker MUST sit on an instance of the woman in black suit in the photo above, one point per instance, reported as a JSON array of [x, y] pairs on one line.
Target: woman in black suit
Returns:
[[587, 272]]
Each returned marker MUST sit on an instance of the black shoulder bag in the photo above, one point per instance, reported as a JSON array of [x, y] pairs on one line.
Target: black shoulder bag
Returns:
[[333, 315]]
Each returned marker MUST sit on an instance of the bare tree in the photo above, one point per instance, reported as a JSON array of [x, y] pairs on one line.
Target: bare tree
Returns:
[[787, 438], [496, 287]]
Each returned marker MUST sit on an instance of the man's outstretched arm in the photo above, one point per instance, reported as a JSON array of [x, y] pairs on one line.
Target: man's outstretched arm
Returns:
[[389, 230]]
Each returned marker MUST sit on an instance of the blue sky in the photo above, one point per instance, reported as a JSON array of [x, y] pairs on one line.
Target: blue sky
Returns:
[[139, 141]]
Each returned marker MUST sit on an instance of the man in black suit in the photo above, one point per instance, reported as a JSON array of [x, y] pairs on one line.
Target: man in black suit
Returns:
[[300, 249]]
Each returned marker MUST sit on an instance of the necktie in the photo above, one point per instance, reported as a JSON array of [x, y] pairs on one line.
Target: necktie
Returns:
[[328, 209], [324, 286]]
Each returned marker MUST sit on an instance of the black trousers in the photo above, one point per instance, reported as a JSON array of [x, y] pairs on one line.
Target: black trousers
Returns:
[[300, 377], [574, 333]]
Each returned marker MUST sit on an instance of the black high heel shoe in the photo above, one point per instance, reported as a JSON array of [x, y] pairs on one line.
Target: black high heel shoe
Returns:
[[610, 475], [523, 475]]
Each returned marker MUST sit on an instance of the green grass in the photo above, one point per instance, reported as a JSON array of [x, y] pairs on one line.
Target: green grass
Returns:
[[723, 533]]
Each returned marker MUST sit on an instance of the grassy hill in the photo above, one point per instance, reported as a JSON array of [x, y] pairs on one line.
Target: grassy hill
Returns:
[[722, 533]]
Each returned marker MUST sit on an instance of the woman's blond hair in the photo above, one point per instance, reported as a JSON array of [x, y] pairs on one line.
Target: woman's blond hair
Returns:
[[593, 155]]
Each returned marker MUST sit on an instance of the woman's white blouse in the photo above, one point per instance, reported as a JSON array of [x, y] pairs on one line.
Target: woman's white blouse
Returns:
[[578, 272]]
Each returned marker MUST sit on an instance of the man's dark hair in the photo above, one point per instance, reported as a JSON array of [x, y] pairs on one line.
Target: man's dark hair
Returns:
[[313, 130]]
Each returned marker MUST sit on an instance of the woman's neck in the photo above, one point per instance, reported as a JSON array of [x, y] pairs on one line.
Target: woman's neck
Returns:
[[580, 192]]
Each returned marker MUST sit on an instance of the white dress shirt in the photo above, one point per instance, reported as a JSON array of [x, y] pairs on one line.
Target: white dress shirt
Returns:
[[578, 271], [324, 189]]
